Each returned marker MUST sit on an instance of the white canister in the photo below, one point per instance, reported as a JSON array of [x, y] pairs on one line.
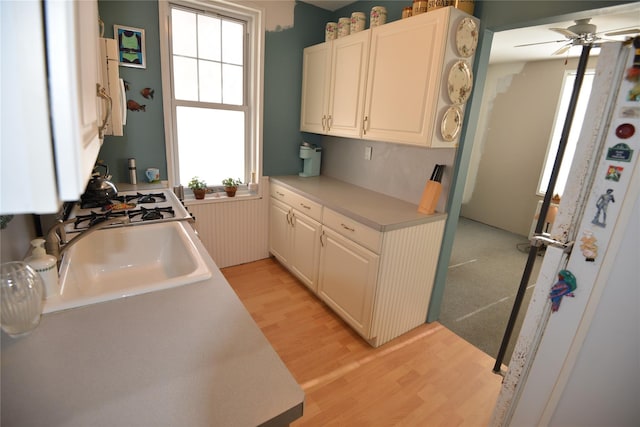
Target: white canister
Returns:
[[378, 16], [344, 26], [358, 21], [331, 31]]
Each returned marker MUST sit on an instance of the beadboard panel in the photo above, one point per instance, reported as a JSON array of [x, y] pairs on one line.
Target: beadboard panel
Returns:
[[234, 232], [405, 279]]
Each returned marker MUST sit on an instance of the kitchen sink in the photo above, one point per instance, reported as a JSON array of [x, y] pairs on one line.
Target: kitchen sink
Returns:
[[121, 262]]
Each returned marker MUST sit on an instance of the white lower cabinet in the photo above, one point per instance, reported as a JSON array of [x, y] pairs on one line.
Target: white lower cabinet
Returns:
[[347, 280], [379, 282], [294, 241]]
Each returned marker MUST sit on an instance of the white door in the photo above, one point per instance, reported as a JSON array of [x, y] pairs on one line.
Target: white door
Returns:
[[316, 72], [305, 247], [348, 81], [347, 281], [279, 230], [403, 79], [550, 342]]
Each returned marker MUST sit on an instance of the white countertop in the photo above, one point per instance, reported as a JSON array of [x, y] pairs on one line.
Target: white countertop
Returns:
[[376, 210], [187, 356]]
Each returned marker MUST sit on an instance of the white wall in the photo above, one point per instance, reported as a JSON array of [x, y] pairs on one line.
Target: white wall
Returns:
[[519, 105]]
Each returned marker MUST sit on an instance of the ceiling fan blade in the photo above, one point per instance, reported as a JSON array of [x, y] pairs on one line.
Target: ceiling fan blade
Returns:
[[533, 44], [565, 32], [562, 50], [623, 32]]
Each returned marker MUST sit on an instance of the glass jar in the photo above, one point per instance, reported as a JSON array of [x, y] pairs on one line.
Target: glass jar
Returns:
[[21, 298]]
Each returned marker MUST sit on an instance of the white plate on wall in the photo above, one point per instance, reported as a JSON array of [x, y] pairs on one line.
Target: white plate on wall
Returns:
[[467, 37], [460, 82], [451, 123]]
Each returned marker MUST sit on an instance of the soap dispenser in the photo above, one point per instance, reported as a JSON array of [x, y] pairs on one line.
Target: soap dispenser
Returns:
[[46, 265]]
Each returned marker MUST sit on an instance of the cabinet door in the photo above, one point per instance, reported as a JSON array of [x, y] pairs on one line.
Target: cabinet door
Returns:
[[74, 70], [405, 68], [347, 280], [348, 80], [305, 245], [316, 71], [279, 230]]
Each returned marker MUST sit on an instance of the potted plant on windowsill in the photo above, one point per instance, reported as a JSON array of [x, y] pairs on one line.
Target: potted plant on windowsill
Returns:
[[198, 186], [231, 186]]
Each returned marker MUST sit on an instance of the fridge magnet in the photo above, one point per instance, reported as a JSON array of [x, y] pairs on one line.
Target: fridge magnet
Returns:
[[564, 287], [630, 112], [134, 106], [613, 173], [620, 152], [147, 92], [126, 85], [625, 130], [601, 205], [131, 46], [588, 246]]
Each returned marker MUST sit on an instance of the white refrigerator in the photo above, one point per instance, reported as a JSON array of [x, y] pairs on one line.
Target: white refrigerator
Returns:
[[577, 358]]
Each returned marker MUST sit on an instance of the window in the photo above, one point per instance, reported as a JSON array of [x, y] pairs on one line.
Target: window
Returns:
[[576, 126], [211, 82]]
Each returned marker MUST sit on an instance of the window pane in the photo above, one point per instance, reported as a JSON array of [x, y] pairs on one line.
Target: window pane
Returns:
[[232, 42], [210, 82], [232, 84], [183, 29], [208, 38], [185, 78], [211, 144]]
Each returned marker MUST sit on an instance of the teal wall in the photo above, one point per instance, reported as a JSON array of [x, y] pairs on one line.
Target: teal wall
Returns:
[[144, 133]]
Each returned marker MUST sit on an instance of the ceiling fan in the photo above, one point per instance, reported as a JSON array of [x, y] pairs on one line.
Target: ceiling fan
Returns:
[[582, 33]]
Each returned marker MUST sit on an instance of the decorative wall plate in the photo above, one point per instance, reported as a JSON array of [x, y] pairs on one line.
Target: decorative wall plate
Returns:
[[467, 37], [451, 123], [460, 82]]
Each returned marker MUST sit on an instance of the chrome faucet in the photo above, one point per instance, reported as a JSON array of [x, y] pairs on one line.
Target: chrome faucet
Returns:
[[57, 242]]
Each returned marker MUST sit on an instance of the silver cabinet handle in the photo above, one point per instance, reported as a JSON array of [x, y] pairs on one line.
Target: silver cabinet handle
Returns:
[[329, 122], [324, 122], [305, 206], [102, 93], [322, 241], [364, 125], [280, 194], [347, 228]]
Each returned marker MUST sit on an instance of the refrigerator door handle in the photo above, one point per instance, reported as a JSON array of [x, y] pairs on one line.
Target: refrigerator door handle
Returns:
[[539, 240]]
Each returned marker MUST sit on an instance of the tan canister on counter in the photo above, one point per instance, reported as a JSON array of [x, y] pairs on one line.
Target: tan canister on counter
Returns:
[[419, 6]]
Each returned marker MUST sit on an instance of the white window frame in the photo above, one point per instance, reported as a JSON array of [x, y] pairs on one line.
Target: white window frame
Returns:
[[254, 74], [556, 131]]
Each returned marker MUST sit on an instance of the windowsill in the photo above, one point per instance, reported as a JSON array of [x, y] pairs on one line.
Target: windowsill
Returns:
[[220, 197]]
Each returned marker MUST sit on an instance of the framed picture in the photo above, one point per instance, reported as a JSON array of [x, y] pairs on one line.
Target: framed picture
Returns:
[[131, 46]]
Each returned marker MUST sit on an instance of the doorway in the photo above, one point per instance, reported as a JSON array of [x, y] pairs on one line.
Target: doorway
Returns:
[[517, 112]]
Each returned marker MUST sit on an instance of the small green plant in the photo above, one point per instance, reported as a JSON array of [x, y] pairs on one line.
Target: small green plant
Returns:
[[230, 182], [197, 183]]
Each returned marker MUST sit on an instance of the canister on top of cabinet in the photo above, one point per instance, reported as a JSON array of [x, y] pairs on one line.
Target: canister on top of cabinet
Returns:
[[419, 6], [358, 21], [344, 27], [464, 5], [378, 16], [331, 31], [407, 12]]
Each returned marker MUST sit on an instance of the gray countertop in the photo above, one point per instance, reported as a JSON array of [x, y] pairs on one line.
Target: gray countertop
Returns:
[[186, 356], [376, 210]]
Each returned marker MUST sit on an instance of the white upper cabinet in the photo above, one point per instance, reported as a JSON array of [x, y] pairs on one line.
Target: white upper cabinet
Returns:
[[333, 83], [51, 112], [407, 69], [404, 74]]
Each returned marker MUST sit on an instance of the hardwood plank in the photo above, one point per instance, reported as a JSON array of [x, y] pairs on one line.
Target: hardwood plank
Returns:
[[427, 377]]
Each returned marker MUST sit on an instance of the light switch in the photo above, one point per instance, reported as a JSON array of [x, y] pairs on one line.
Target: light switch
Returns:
[[367, 153]]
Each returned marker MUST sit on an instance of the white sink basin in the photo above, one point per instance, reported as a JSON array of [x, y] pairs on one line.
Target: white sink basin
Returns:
[[121, 262]]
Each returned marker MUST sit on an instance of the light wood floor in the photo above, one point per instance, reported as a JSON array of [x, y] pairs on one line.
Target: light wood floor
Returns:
[[427, 377]]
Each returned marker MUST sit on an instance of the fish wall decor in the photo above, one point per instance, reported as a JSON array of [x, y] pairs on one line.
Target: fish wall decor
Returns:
[[134, 106], [147, 92]]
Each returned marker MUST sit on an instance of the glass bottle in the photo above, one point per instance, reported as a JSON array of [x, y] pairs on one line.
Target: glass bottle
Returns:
[[21, 298]]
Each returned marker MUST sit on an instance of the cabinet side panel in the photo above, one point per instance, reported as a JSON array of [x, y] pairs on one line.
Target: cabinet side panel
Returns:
[[405, 280]]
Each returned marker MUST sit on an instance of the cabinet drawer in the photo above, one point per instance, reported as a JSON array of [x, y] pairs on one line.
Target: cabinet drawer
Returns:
[[367, 237], [296, 201]]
